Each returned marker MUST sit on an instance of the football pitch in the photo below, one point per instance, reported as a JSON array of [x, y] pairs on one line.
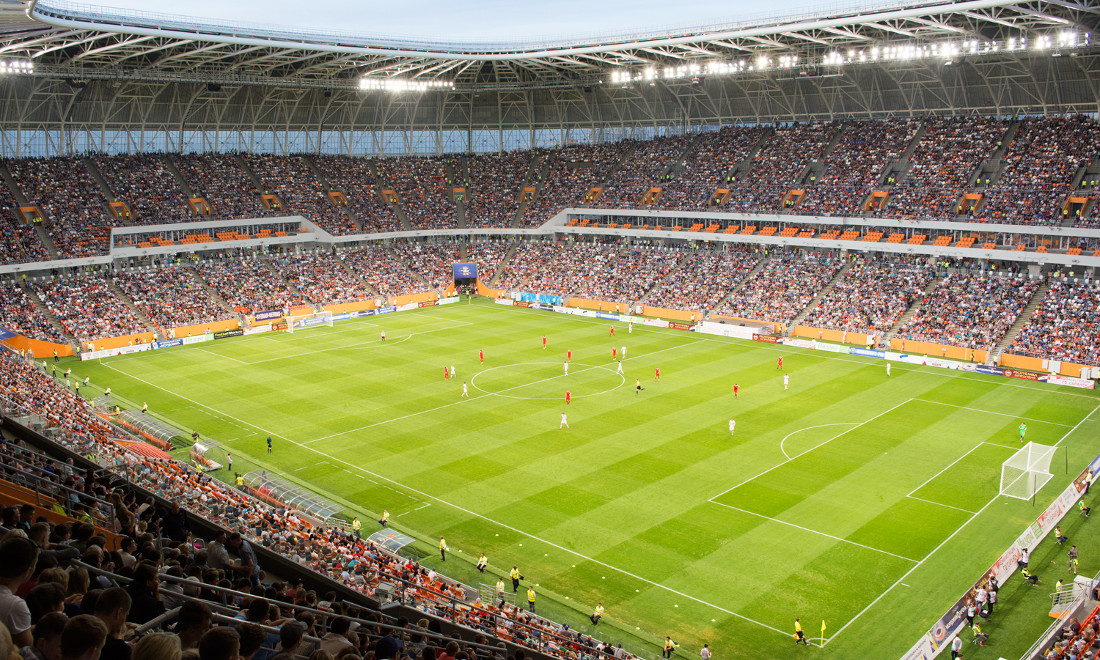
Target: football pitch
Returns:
[[865, 501]]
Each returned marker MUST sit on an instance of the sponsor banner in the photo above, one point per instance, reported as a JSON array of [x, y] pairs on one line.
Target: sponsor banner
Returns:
[[866, 352], [6, 334], [542, 306], [137, 348], [520, 303], [587, 313], [798, 343], [1022, 375], [406, 307], [982, 369], [364, 312], [310, 322], [426, 303], [386, 310], [342, 317], [508, 301], [676, 325], [832, 348], [447, 301], [1071, 381], [605, 315], [268, 316], [765, 338], [924, 360], [544, 298], [465, 271], [710, 329], [922, 650], [196, 339], [224, 334], [656, 323], [168, 344], [562, 310]]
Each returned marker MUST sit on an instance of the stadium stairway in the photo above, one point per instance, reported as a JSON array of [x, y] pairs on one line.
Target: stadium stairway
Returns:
[[327, 187], [504, 261], [1020, 322], [177, 175], [536, 175], [108, 194], [351, 272], [685, 256], [740, 285], [460, 213], [129, 302], [212, 292], [818, 298], [243, 164], [46, 312], [912, 311], [397, 210]]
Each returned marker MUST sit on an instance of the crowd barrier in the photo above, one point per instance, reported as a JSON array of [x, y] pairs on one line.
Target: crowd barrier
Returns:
[[829, 334], [202, 328], [36, 347], [483, 290], [940, 350], [775, 327], [409, 298], [1012, 361], [939, 636], [683, 315], [357, 306], [599, 305]]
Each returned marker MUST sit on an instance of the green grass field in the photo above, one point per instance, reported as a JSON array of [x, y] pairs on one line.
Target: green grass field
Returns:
[[864, 500]]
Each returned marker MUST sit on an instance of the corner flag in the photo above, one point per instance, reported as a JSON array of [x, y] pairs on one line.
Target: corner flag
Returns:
[[823, 629]]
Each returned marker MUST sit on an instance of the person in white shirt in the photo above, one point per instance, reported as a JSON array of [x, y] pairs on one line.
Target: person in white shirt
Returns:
[[786, 380], [564, 422], [453, 374], [465, 392], [383, 336], [733, 425], [622, 356], [887, 369], [705, 653], [565, 366], [619, 369]]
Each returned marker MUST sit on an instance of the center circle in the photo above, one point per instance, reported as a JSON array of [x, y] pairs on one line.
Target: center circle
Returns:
[[547, 381]]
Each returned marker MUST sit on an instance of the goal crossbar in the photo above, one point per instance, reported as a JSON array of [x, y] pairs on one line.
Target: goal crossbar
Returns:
[[308, 321], [1026, 472]]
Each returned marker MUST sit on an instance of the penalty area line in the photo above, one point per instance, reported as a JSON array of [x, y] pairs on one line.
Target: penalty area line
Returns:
[[474, 514]]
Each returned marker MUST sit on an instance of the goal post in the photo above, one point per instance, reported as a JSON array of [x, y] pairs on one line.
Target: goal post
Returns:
[[304, 321], [1026, 472]]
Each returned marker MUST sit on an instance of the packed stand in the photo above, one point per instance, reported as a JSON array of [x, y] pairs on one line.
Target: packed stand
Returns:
[[948, 154], [852, 169], [703, 280], [1066, 326], [220, 181], [777, 166], [871, 296], [291, 180], [321, 277], [496, 181], [709, 159], [423, 185], [782, 288], [554, 268], [65, 192], [488, 257], [385, 274], [629, 274], [971, 310], [19, 243], [145, 184], [642, 170], [434, 262], [248, 286], [574, 170], [87, 307], [1040, 165], [170, 297], [18, 314], [354, 178]]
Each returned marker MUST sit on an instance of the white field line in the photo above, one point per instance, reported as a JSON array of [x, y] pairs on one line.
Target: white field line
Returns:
[[990, 412], [812, 531], [952, 464], [948, 506], [822, 444], [946, 540], [428, 496], [480, 396], [789, 457], [370, 342], [224, 357], [931, 371]]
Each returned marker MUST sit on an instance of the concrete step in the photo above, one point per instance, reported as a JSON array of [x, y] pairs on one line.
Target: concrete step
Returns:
[[1021, 320], [46, 312], [741, 284], [505, 260]]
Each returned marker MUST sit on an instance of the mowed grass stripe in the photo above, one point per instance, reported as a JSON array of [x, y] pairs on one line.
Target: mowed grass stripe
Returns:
[[629, 483]]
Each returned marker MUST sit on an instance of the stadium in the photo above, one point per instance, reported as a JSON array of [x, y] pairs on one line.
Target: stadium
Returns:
[[766, 336]]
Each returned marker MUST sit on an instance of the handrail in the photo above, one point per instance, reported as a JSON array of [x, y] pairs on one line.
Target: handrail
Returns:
[[36, 482]]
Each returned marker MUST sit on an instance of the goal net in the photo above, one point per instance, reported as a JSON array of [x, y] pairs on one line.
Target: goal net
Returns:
[[1027, 471], [319, 319]]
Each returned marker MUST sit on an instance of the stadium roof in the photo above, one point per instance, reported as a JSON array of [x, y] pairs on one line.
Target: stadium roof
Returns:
[[82, 42]]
